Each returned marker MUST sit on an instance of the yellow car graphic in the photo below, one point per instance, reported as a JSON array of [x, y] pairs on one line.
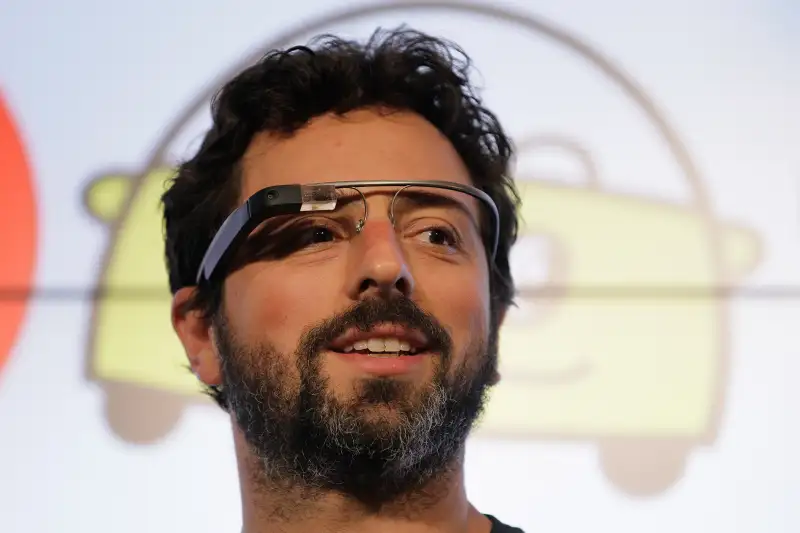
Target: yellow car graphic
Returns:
[[629, 350], [134, 353]]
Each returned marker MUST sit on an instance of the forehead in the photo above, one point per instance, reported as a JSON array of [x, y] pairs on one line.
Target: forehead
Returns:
[[362, 145]]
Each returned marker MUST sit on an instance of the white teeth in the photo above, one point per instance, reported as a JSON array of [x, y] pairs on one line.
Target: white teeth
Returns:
[[391, 345], [360, 345], [378, 346]]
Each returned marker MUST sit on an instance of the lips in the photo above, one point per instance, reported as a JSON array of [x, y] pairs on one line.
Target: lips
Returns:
[[381, 340]]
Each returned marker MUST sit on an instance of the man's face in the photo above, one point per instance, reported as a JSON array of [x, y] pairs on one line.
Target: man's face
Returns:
[[311, 404]]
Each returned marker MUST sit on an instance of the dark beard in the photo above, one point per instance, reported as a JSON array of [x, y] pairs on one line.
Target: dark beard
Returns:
[[310, 440]]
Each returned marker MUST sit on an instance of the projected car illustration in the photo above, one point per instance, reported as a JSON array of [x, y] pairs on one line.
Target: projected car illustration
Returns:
[[622, 341], [628, 349]]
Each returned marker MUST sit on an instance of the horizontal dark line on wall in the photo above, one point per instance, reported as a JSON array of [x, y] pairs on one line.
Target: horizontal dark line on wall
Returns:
[[586, 292]]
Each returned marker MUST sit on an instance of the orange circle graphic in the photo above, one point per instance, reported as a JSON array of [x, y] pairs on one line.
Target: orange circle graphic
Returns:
[[18, 228]]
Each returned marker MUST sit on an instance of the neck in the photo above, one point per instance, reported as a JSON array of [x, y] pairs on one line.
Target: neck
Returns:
[[270, 506]]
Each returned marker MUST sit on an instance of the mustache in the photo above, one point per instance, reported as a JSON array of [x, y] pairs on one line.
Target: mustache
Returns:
[[366, 314]]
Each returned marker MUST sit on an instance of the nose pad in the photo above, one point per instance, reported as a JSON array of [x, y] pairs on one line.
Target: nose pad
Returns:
[[359, 226]]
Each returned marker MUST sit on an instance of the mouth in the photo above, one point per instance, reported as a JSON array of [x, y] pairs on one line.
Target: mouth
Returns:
[[380, 347], [383, 349], [381, 341]]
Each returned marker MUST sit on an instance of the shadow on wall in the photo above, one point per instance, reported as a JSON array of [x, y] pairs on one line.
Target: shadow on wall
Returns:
[[623, 343]]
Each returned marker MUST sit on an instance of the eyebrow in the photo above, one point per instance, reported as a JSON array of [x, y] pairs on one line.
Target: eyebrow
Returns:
[[417, 198], [428, 199]]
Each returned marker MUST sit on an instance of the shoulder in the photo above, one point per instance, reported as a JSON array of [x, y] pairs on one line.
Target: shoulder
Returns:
[[499, 527]]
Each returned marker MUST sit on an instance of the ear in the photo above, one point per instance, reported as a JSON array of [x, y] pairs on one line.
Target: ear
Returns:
[[194, 331]]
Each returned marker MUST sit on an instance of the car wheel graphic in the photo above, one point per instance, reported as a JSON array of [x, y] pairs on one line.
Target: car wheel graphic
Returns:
[[139, 415], [644, 467]]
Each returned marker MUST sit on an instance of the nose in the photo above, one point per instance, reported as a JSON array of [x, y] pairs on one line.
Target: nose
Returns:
[[381, 267]]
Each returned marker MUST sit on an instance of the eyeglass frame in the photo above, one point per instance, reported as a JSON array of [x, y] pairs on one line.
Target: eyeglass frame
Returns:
[[291, 199]]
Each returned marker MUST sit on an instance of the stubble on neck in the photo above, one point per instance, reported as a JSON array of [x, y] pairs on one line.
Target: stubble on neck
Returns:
[[286, 505]]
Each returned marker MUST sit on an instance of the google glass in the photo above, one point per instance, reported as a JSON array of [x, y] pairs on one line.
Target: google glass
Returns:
[[282, 200]]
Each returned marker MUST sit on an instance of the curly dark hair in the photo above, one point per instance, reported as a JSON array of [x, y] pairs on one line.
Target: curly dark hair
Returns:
[[401, 70]]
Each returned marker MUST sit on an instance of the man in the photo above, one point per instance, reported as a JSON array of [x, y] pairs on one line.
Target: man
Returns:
[[349, 329]]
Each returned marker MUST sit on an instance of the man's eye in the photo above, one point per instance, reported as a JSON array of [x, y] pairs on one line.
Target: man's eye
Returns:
[[440, 237], [316, 235], [287, 241]]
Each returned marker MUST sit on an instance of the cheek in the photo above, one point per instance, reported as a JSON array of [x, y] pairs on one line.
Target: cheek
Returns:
[[277, 305], [459, 299]]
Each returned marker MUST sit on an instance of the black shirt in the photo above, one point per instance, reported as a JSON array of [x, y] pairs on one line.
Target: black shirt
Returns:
[[499, 527]]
